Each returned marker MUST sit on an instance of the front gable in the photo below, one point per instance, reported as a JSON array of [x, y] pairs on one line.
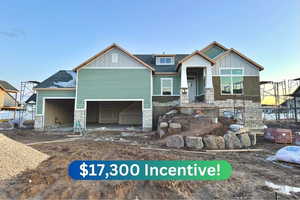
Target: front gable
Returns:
[[197, 61], [233, 60], [114, 58]]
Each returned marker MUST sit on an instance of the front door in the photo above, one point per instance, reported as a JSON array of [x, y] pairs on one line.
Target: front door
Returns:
[[192, 90]]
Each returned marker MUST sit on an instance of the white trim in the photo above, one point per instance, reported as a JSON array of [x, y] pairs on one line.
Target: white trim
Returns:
[[157, 60], [237, 75], [151, 89], [115, 68], [86, 100], [161, 86], [44, 101], [36, 102], [77, 80], [231, 82]]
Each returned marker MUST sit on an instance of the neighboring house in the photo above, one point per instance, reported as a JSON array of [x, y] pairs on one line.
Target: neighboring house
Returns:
[[117, 87], [8, 96]]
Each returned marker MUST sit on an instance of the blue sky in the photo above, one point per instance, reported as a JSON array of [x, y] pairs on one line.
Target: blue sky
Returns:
[[38, 38]]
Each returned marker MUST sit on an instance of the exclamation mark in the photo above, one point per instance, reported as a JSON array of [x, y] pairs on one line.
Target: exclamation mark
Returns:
[[218, 169]]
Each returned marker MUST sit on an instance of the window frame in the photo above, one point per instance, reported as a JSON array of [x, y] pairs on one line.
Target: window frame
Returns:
[[165, 57], [161, 86], [231, 79]]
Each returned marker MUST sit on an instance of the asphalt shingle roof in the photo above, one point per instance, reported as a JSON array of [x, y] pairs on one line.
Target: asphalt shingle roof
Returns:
[[150, 60], [61, 79], [7, 86]]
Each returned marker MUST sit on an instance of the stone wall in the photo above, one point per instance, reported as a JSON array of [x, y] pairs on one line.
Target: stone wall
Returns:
[[209, 95], [79, 120], [147, 120], [252, 112], [38, 123]]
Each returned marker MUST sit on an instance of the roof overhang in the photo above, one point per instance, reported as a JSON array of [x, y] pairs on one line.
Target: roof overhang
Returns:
[[258, 66], [47, 89], [214, 43], [193, 54], [108, 49]]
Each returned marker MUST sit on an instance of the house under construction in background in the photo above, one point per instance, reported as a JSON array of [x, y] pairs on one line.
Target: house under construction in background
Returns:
[[8, 99], [280, 100]]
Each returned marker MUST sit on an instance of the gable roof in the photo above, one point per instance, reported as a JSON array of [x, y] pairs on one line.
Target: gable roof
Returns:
[[150, 59], [196, 53], [214, 43], [61, 79], [7, 86], [296, 93], [258, 66], [32, 98], [108, 49]]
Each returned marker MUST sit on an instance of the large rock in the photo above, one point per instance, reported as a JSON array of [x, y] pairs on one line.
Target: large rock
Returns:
[[220, 142], [232, 141], [245, 140], [175, 141], [210, 142], [162, 129], [252, 137], [194, 142], [174, 128]]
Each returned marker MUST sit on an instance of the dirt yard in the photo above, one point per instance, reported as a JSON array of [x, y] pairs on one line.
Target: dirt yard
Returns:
[[50, 179]]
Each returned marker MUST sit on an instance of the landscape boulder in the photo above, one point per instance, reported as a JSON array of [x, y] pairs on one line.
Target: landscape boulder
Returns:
[[175, 141], [194, 142], [232, 141], [174, 128], [220, 142], [245, 140], [162, 129], [210, 142]]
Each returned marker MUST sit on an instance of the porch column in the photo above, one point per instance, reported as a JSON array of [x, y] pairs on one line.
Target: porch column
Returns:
[[184, 97], [209, 89]]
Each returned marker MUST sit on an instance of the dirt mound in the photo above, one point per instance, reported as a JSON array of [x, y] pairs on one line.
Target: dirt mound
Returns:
[[16, 157]]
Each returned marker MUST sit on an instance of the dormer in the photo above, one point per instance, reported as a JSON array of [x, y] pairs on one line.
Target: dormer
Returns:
[[165, 59]]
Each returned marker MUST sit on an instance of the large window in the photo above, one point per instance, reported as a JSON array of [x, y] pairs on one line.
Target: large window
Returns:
[[164, 60], [166, 86], [232, 81]]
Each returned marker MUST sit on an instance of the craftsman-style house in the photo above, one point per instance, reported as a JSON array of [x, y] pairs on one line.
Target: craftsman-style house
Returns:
[[117, 87]]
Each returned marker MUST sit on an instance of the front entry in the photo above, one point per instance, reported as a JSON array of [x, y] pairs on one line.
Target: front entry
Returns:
[[192, 89]]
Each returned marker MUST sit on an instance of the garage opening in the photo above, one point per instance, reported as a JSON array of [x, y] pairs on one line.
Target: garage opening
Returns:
[[114, 115], [59, 113]]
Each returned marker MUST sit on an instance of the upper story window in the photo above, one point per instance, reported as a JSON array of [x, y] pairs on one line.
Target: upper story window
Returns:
[[164, 60], [232, 81], [166, 86], [114, 58]]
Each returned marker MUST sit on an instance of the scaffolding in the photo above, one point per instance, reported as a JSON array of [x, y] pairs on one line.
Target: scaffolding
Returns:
[[26, 91], [279, 93]]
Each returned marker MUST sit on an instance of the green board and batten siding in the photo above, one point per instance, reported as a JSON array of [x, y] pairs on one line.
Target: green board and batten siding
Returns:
[[41, 94], [114, 84]]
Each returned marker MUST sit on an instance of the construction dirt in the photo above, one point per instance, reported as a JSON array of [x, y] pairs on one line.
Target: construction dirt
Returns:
[[16, 157], [50, 179]]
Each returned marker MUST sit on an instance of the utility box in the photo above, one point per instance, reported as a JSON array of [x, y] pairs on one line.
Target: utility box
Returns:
[[279, 135]]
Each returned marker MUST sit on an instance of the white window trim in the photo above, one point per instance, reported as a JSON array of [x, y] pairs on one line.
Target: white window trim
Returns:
[[161, 86], [231, 75], [159, 63]]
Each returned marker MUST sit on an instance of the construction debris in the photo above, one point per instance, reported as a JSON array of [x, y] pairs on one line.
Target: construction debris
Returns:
[[16, 157]]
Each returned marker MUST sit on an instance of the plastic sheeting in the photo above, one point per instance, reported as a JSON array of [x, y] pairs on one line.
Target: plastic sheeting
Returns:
[[289, 154]]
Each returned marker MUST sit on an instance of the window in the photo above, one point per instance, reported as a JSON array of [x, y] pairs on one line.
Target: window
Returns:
[[166, 86], [232, 81], [164, 60], [114, 58]]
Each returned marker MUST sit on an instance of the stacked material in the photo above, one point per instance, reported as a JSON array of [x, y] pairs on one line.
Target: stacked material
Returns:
[[16, 157]]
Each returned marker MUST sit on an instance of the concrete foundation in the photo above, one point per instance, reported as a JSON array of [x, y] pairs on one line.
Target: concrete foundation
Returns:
[[209, 95], [38, 123], [147, 119]]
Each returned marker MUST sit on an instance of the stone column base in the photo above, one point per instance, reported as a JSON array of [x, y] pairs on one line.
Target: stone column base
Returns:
[[79, 120], [38, 123], [147, 120], [184, 96], [209, 95]]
